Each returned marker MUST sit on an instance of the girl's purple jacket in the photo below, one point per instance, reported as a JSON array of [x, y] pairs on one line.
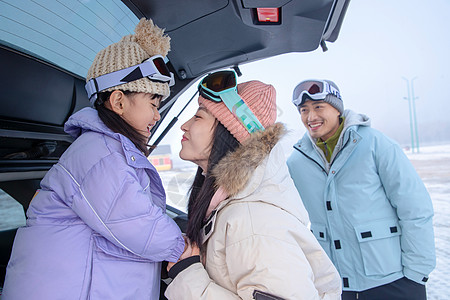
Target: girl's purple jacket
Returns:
[[97, 228]]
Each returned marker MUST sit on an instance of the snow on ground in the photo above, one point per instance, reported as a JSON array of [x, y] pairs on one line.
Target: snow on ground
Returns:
[[430, 153], [433, 165]]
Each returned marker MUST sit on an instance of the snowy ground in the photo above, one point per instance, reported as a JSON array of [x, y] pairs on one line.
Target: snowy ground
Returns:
[[432, 164]]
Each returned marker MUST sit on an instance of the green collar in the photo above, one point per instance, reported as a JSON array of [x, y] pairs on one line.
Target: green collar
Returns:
[[328, 146]]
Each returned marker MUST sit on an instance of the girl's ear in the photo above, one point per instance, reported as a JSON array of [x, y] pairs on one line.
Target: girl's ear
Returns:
[[116, 101]]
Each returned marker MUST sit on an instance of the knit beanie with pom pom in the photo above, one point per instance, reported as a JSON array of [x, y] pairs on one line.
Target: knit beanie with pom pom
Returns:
[[131, 50]]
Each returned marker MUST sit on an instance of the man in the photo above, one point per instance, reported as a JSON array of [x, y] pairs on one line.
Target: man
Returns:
[[368, 207]]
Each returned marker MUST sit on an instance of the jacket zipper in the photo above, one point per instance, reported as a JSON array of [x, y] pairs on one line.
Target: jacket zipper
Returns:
[[311, 159], [326, 150]]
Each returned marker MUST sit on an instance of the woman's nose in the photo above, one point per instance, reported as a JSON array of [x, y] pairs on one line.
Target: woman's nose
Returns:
[[185, 126]]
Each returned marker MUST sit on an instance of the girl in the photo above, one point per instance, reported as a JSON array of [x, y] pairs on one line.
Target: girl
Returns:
[[97, 228], [245, 214]]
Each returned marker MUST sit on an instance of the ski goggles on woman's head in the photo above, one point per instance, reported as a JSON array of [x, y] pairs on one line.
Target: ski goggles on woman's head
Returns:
[[153, 68], [222, 86], [314, 90]]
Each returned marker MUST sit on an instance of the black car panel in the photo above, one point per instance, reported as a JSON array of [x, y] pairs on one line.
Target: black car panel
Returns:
[[208, 35], [53, 91]]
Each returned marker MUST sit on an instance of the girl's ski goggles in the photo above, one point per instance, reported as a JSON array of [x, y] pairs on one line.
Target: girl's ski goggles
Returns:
[[314, 90], [222, 86], [153, 68]]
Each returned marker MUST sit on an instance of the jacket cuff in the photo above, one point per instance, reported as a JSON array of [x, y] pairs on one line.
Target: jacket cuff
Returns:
[[177, 250], [183, 265], [415, 276]]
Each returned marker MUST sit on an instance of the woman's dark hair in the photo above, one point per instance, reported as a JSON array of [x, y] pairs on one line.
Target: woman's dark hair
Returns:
[[204, 187], [114, 122]]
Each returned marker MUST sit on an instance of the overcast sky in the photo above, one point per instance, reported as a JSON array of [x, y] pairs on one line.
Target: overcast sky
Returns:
[[379, 43]]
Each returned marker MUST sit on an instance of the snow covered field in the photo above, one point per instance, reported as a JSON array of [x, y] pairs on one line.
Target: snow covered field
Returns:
[[433, 166]]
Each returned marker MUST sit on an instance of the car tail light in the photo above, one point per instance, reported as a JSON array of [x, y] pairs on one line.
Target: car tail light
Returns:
[[268, 14]]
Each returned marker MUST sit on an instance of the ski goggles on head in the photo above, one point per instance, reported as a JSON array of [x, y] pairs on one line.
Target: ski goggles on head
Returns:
[[222, 86], [314, 90], [153, 68]]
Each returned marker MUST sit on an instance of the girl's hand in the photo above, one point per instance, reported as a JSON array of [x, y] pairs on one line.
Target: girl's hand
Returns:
[[195, 250], [189, 250]]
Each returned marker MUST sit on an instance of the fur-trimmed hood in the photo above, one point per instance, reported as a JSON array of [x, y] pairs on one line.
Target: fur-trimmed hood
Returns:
[[257, 171], [235, 169]]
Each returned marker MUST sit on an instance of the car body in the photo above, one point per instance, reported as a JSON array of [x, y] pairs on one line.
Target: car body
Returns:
[[47, 47]]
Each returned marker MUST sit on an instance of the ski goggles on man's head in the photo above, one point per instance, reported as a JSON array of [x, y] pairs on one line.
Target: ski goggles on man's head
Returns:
[[314, 90], [222, 86], [153, 68]]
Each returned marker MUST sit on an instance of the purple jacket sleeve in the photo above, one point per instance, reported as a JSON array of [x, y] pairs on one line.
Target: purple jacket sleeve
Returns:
[[111, 200]]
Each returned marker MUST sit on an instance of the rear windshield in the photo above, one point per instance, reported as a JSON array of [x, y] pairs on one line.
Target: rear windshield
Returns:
[[65, 33]]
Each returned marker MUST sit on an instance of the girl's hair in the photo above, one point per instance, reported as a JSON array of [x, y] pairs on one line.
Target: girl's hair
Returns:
[[114, 122], [204, 186]]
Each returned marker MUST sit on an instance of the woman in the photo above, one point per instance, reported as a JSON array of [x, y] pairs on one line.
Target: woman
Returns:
[[97, 228], [245, 214]]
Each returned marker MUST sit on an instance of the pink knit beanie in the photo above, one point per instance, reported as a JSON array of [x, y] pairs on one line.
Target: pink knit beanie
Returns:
[[259, 97]]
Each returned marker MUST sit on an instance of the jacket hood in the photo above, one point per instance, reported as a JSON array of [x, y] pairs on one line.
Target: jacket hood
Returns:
[[233, 171], [257, 172], [352, 119], [87, 119], [351, 123]]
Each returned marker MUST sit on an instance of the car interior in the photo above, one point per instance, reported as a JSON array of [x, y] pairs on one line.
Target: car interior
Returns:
[[44, 58]]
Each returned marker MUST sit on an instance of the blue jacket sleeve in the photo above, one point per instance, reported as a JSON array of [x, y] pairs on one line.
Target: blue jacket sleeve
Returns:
[[409, 197], [112, 201]]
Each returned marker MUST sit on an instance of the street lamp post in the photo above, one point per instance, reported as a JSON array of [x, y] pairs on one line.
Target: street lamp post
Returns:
[[410, 114], [413, 100]]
